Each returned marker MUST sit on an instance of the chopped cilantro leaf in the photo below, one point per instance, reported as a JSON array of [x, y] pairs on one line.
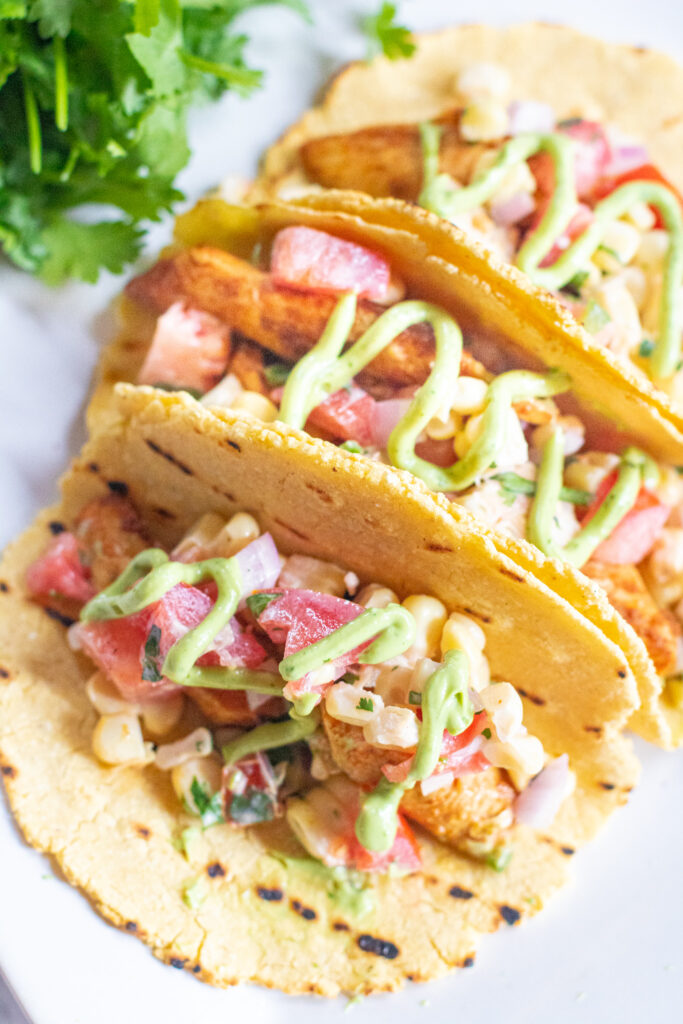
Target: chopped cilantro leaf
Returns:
[[610, 252], [194, 893], [251, 807], [209, 805], [365, 704], [595, 317], [646, 348], [350, 678], [499, 858], [415, 697], [569, 122], [353, 447], [486, 733], [150, 661], [385, 36], [276, 374], [576, 284], [257, 603]]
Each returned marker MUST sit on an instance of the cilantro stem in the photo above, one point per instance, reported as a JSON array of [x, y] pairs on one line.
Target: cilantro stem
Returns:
[[61, 85], [241, 78], [35, 143]]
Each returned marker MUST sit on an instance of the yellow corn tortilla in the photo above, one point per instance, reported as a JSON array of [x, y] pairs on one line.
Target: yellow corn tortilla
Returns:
[[636, 89], [439, 263], [111, 829]]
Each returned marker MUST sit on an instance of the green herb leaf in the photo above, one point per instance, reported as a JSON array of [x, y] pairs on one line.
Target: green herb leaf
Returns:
[[150, 662], [276, 374], [486, 733], [350, 678], [415, 697], [498, 858], [595, 317], [251, 807], [194, 893], [187, 838], [385, 36], [352, 446], [208, 804], [365, 704], [257, 603], [646, 348], [574, 286]]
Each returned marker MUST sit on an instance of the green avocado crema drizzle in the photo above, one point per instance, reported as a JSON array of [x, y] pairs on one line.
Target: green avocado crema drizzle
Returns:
[[325, 370], [445, 705], [635, 469], [440, 195]]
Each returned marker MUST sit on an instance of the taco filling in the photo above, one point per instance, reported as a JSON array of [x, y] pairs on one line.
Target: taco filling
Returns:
[[574, 203], [387, 377], [268, 686]]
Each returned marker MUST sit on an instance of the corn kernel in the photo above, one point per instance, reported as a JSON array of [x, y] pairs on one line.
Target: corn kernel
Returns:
[[483, 121], [197, 744], [430, 618], [251, 403], [504, 706], [485, 81], [641, 216], [652, 251], [224, 394], [304, 572], [117, 739], [374, 595], [623, 239], [523, 754], [352, 704], [105, 698], [197, 541]]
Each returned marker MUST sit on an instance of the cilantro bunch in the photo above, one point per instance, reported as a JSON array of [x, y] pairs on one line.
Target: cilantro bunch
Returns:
[[93, 102]]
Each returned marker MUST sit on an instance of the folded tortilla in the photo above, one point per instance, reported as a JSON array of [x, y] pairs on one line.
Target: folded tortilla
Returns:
[[267, 919], [492, 301]]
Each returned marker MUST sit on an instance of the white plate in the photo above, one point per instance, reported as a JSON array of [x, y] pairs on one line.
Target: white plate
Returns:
[[608, 947]]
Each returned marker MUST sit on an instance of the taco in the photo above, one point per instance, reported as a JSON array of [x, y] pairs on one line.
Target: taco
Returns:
[[523, 378], [201, 569], [559, 152]]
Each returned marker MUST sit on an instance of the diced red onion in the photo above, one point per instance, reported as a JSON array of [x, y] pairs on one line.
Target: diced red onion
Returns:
[[530, 116], [538, 804], [259, 564], [513, 209], [386, 415], [625, 158]]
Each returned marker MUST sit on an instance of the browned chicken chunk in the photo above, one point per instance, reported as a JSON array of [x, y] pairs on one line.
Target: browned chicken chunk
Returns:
[[231, 707], [109, 534], [626, 591]]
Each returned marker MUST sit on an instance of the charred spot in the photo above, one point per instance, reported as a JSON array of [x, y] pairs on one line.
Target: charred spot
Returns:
[[509, 914], [178, 962], [64, 620], [477, 615], [568, 851], [468, 961], [233, 444], [4, 587], [164, 513], [531, 696], [118, 487], [622, 673], [55, 527], [215, 870], [142, 831], [512, 575], [9, 771], [93, 467], [169, 458], [4, 674], [410, 977], [607, 785], [131, 926], [286, 526], [269, 895], [307, 913], [197, 969], [322, 494], [439, 548], [459, 893], [671, 122], [597, 729], [340, 926], [379, 947]]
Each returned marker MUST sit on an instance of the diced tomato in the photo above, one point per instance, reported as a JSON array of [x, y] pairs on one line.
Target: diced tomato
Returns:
[[645, 172], [118, 646], [59, 570], [250, 790], [592, 153], [581, 220], [347, 415], [632, 538], [189, 349], [460, 754], [312, 260], [404, 853], [298, 618]]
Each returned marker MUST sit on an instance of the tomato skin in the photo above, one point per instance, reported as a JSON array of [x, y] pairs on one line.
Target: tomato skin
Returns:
[[297, 619], [189, 349], [460, 754], [59, 570], [646, 172], [117, 647], [312, 260], [347, 415], [634, 536]]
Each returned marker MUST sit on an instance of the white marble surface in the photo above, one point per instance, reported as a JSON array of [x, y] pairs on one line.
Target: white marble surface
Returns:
[[606, 949]]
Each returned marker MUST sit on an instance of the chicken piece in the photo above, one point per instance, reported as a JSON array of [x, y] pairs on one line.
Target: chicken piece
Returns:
[[247, 364], [627, 593], [109, 534], [231, 707], [386, 160], [282, 320], [470, 814]]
